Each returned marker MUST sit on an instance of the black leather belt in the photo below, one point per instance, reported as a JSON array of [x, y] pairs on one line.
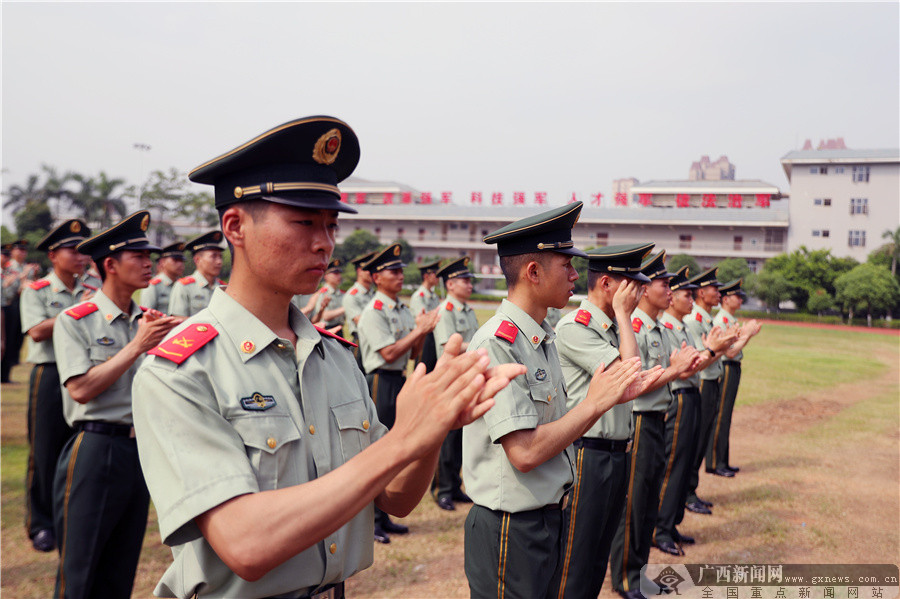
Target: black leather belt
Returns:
[[654, 415], [732, 362], [686, 390], [331, 591], [611, 445], [387, 372], [105, 428], [563, 503]]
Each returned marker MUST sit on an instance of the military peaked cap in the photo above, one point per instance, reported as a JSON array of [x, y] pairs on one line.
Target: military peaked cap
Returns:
[[733, 288], [298, 163], [458, 269], [549, 231], [335, 266], [680, 280], [210, 240], [430, 267], [386, 259], [173, 250], [623, 260], [130, 234], [706, 278], [360, 260], [67, 234], [655, 267]]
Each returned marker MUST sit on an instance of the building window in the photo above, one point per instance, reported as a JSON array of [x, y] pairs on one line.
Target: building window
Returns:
[[859, 205], [738, 242], [378, 231], [857, 239], [421, 234], [817, 233], [602, 239], [823, 170], [825, 232], [774, 241], [821, 233], [813, 170], [400, 232], [860, 174], [453, 226], [817, 202], [838, 170], [822, 202], [684, 241]]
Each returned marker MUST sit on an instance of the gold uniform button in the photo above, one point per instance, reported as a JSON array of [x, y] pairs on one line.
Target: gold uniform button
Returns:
[[333, 548], [312, 429], [271, 442], [365, 425], [548, 398]]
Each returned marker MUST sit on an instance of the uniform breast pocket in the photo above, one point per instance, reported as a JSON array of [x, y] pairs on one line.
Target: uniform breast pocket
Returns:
[[100, 354], [270, 441], [353, 425], [543, 396]]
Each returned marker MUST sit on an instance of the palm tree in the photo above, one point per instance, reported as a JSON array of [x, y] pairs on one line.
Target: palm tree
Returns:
[[894, 236], [52, 188], [99, 199]]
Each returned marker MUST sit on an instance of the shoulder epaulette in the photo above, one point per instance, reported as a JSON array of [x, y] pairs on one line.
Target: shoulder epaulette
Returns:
[[91, 287], [725, 319], [155, 281], [39, 284], [343, 341], [449, 307], [143, 308], [583, 317], [220, 282], [636, 324], [378, 304], [181, 346], [421, 294], [186, 280], [668, 325], [82, 310], [354, 291], [699, 317], [507, 331], [323, 289]]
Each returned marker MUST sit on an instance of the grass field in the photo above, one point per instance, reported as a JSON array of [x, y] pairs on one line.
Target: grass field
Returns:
[[816, 432]]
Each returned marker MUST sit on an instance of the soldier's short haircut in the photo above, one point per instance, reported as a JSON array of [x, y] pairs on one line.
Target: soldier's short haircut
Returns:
[[100, 269], [593, 277], [255, 208], [512, 266]]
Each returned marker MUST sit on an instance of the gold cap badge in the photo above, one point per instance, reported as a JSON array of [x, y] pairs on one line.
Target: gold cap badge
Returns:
[[75, 227], [145, 222], [397, 250], [327, 147]]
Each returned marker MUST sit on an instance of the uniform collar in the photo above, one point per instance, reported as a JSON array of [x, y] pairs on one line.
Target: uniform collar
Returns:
[[457, 304], [248, 334], [650, 323], [202, 282], [389, 304], [597, 315], [110, 310], [166, 280], [57, 285], [727, 313], [534, 332], [698, 310], [668, 318]]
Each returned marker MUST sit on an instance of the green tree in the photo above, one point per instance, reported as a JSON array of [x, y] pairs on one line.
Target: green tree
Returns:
[[868, 287], [771, 288], [34, 216], [100, 200], [198, 208], [356, 244], [807, 271], [162, 194], [731, 269], [678, 260], [894, 237], [820, 301], [44, 188]]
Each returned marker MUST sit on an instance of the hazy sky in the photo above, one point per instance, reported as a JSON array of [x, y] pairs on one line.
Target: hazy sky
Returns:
[[453, 96]]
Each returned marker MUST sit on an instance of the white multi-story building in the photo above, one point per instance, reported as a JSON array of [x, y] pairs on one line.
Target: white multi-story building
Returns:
[[842, 199]]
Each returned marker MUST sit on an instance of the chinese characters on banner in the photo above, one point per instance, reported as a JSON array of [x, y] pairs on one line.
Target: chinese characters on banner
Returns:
[[497, 198], [645, 199], [762, 200], [344, 197], [540, 197], [446, 197], [476, 197], [574, 198], [709, 200], [518, 198], [597, 197], [388, 198], [735, 200], [682, 200], [360, 197], [406, 197], [621, 199], [425, 198]]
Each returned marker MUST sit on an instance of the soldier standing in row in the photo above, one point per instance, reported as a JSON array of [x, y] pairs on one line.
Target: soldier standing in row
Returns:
[[389, 335], [192, 294], [599, 332], [356, 299], [101, 500], [456, 317], [16, 275], [329, 304], [424, 299], [169, 268], [41, 303]]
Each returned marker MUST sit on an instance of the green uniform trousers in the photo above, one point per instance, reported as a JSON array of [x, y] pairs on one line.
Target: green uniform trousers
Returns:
[[681, 445], [12, 329], [447, 481], [47, 435], [428, 355], [101, 504], [709, 403], [384, 386], [631, 545], [721, 431], [592, 517], [357, 354], [512, 556]]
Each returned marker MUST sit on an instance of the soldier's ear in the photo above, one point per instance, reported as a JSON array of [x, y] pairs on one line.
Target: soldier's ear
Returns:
[[234, 223]]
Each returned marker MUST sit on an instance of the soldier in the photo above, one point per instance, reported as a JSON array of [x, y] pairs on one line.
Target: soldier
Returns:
[[48, 431], [169, 269], [389, 336], [599, 332], [100, 499], [91, 278], [553, 316], [699, 323], [424, 299], [631, 546], [16, 275], [683, 418], [333, 317], [517, 460], [455, 317], [262, 449], [356, 299], [732, 300], [192, 294]]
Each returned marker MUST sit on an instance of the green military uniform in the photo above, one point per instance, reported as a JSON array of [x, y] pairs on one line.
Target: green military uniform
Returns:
[[699, 323], [682, 422], [242, 411], [456, 317], [100, 498], [426, 300], [513, 533], [192, 294], [12, 328], [334, 293], [553, 316], [728, 388], [354, 301], [630, 550], [47, 428], [156, 295], [587, 338]]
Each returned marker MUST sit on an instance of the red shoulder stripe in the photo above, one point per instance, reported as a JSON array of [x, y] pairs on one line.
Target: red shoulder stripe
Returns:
[[378, 304], [91, 287], [346, 342], [354, 291], [181, 346], [636, 324], [186, 280], [449, 307], [583, 317], [155, 281], [725, 319], [699, 317], [507, 331], [324, 288], [81, 310], [668, 325], [40, 284]]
